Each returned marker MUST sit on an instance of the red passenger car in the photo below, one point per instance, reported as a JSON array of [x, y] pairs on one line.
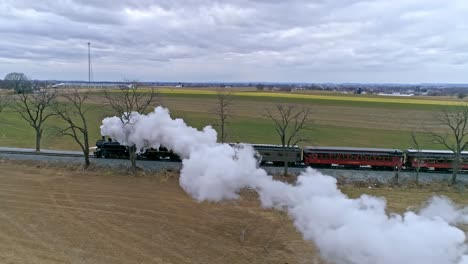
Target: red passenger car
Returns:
[[353, 157], [434, 159]]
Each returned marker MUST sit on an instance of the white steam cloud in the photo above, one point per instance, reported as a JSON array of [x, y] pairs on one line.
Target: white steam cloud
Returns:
[[444, 208], [347, 231]]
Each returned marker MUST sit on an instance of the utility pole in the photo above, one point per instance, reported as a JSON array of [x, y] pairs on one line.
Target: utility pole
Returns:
[[89, 63]]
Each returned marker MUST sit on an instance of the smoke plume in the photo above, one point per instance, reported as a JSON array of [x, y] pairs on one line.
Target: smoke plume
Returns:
[[346, 231]]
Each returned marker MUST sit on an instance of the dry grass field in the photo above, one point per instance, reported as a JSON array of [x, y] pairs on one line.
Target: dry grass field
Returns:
[[52, 215]]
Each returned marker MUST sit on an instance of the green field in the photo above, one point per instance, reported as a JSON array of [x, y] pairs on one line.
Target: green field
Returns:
[[370, 101], [337, 120]]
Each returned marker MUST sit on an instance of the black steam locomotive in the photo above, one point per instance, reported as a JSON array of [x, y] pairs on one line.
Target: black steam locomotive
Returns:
[[110, 149]]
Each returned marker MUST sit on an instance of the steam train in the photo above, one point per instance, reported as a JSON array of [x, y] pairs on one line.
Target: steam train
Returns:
[[316, 157], [113, 149]]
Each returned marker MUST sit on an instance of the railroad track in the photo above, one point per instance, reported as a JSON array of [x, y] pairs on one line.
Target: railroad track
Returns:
[[75, 157], [56, 153]]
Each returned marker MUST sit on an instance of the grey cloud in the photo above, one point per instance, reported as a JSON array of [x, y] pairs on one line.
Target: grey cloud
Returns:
[[295, 40]]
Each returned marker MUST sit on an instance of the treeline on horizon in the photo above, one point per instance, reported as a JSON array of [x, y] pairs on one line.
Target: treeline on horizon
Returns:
[[429, 89]]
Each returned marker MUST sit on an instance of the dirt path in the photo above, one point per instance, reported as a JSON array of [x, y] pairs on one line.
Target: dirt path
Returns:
[[51, 215]]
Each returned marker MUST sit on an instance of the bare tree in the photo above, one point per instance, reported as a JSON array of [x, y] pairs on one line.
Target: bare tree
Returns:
[[34, 109], [260, 87], [418, 160], [290, 121], [74, 112], [18, 82], [223, 111], [455, 120], [131, 98]]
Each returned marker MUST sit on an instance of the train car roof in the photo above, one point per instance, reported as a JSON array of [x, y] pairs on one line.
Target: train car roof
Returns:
[[264, 145], [351, 149], [429, 151]]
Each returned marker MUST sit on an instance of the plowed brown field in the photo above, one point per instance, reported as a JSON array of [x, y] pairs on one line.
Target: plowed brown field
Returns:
[[60, 215]]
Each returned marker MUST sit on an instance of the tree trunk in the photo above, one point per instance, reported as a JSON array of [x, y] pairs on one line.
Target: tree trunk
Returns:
[[222, 131], [396, 178], [285, 161], [417, 175], [132, 155], [38, 140], [456, 165], [86, 151], [86, 158], [453, 178]]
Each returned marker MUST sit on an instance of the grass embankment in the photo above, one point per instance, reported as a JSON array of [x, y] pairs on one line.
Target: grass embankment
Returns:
[[337, 120]]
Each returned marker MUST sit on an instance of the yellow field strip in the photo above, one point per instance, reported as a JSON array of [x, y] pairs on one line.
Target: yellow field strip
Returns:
[[319, 97]]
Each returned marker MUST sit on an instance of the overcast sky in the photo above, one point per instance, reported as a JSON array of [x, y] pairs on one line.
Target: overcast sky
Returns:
[[398, 41]]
